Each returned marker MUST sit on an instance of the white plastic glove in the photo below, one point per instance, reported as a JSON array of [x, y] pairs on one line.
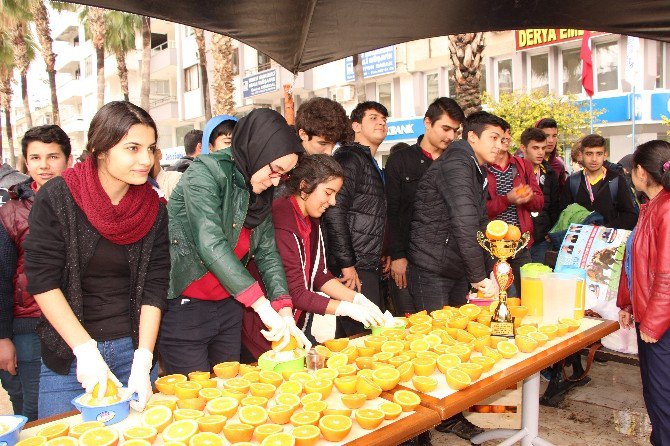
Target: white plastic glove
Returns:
[[360, 313], [277, 328], [297, 333], [360, 299], [139, 380], [92, 369]]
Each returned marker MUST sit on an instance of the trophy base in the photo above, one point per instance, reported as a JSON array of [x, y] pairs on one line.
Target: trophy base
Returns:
[[504, 329]]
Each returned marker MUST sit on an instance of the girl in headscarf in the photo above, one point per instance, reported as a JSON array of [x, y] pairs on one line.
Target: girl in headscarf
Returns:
[[220, 218]]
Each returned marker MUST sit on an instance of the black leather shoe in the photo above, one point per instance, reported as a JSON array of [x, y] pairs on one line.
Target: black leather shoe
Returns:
[[460, 426]]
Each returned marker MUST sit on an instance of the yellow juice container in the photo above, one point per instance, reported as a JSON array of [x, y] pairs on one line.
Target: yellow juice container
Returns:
[[531, 291]]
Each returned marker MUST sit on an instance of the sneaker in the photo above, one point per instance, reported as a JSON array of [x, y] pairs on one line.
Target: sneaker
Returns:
[[460, 426]]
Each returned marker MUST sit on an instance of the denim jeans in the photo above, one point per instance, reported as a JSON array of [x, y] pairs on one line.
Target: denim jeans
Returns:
[[402, 299], [431, 291], [539, 250], [58, 391], [23, 387]]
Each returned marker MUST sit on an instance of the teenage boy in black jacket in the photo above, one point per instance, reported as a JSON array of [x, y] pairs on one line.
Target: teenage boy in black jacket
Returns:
[[354, 228], [404, 169], [600, 189]]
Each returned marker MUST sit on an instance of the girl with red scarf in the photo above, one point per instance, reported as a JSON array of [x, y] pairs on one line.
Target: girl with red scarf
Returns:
[[311, 189], [98, 263]]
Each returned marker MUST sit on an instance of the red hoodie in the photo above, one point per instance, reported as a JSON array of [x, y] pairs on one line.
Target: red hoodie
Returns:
[[498, 203]]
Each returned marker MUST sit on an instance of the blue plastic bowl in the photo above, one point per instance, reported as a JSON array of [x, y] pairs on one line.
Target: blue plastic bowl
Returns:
[[16, 423], [112, 414]]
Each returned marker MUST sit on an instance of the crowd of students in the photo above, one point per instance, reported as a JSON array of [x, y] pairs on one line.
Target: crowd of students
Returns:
[[260, 227]]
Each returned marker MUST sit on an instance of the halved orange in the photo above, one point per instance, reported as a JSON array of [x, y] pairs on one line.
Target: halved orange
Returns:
[[187, 414], [374, 341], [419, 345], [481, 342], [209, 394], [59, 429], [540, 337], [460, 322], [391, 410], [464, 337], [346, 384], [562, 329], [386, 378], [365, 351], [301, 377], [230, 393], [310, 397], [337, 345], [471, 311], [227, 370], [460, 350], [199, 376], [525, 330], [252, 377], [187, 389], [281, 413], [301, 418], [239, 384], [306, 435], [78, 429], [406, 371], [262, 389], [316, 406], [293, 387], [237, 432], [206, 439], [486, 362], [368, 387], [253, 415], [394, 347], [265, 430], [424, 384], [351, 352], [62, 441], [270, 377], [170, 404], [99, 436], [165, 384], [477, 329], [211, 423], [291, 399], [337, 360], [147, 433], [513, 233], [322, 386], [197, 403], [507, 349], [323, 351], [419, 318], [424, 366], [335, 427], [408, 400], [157, 417], [421, 328], [573, 324], [369, 418], [346, 370], [279, 439], [254, 401], [364, 362], [181, 430], [32, 441], [354, 401], [326, 373], [492, 353], [473, 370], [496, 230], [526, 344], [457, 379], [383, 356], [246, 368], [345, 412], [224, 405]]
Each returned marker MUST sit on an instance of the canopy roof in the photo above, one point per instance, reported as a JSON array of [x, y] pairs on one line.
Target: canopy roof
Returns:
[[302, 34]]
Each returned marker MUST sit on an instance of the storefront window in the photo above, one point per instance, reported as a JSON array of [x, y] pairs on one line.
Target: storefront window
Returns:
[[432, 87], [191, 78], [607, 66], [505, 84], [572, 72], [539, 73], [660, 64], [384, 96]]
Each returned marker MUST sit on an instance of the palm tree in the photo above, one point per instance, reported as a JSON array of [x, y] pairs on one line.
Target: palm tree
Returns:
[[466, 56], [6, 74], [222, 53], [95, 24], [43, 29], [24, 54], [121, 28], [359, 82], [202, 61], [146, 62]]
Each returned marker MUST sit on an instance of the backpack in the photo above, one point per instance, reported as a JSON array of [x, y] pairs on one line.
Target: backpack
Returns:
[[574, 181]]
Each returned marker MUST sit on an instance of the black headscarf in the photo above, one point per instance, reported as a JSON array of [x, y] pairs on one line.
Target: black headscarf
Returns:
[[258, 139]]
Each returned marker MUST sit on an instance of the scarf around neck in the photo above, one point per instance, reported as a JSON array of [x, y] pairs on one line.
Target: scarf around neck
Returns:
[[123, 224]]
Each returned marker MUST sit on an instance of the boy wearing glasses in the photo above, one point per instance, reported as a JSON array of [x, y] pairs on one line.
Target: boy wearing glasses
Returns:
[[513, 193]]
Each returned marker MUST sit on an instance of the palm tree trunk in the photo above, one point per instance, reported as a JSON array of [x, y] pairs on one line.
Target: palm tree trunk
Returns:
[[2, 158], [22, 62], [98, 27], [466, 56], [222, 53], [202, 56], [10, 136], [146, 62], [100, 62], [24, 97], [6, 103], [123, 73], [41, 19], [359, 83]]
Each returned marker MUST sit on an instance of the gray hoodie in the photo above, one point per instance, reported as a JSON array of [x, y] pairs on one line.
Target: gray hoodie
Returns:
[[9, 177]]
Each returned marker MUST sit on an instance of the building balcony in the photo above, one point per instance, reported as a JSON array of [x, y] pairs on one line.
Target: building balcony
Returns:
[[164, 109], [70, 92], [163, 57]]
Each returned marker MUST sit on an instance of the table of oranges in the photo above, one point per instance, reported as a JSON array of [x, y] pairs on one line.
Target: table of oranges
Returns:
[[240, 404], [451, 349]]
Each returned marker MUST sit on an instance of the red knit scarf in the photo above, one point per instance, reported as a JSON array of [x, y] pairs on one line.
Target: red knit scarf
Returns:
[[123, 224]]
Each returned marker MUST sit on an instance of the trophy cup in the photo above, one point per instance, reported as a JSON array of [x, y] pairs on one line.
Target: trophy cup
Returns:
[[502, 322]]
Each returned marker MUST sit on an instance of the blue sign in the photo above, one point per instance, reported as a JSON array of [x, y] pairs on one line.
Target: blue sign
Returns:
[[403, 129], [660, 106], [616, 108], [259, 83], [375, 63]]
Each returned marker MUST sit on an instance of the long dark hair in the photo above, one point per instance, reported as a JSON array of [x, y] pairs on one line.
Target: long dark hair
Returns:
[[112, 122], [654, 157], [311, 171]]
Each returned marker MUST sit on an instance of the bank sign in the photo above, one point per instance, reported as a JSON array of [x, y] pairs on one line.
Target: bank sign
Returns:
[[375, 63], [259, 83], [532, 38], [405, 129]]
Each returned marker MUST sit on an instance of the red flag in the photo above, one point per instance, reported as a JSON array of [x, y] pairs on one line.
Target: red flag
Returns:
[[587, 63]]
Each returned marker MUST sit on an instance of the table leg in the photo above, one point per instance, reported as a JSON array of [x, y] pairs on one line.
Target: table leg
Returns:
[[528, 434]]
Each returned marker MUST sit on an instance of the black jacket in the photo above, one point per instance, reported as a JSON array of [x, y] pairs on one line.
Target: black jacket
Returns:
[[449, 209], [546, 219], [181, 164], [620, 214], [354, 228], [404, 169]]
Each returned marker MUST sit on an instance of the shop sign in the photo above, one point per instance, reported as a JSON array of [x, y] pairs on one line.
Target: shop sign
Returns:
[[375, 63], [660, 106], [404, 129], [532, 38], [259, 83]]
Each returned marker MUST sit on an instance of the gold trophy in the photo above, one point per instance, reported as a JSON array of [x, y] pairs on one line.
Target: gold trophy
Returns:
[[502, 322]]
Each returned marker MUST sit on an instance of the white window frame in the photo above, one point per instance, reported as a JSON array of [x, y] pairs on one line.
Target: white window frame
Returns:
[[196, 68], [390, 83], [594, 58], [496, 83], [559, 69], [425, 87], [529, 70]]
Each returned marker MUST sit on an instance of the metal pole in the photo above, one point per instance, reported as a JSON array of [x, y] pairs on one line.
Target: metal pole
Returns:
[[591, 113]]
